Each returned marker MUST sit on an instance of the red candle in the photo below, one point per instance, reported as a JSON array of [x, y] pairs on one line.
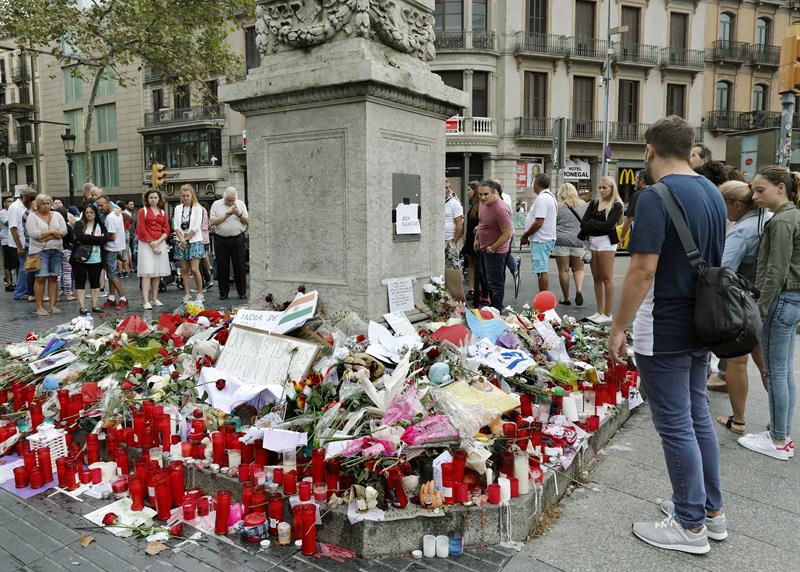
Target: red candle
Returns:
[[509, 430], [277, 477], [247, 497], [223, 512], [459, 464], [318, 465], [119, 486], [308, 514], [176, 480], [45, 463], [244, 472], [304, 490], [253, 470], [136, 491], [148, 409], [448, 482], [130, 436], [247, 452], [290, 483], [462, 492], [275, 512], [493, 492], [85, 475], [29, 459], [92, 449], [30, 394], [188, 509], [163, 496], [164, 430], [525, 405], [21, 477], [96, 474], [593, 423], [203, 506], [260, 499], [395, 489], [138, 426], [514, 487], [332, 471], [71, 475], [260, 453], [186, 449], [36, 415], [61, 471], [36, 478], [123, 462], [141, 467], [217, 447], [507, 463]]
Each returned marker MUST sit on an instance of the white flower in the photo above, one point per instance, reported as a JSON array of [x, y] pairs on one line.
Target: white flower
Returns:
[[526, 306], [429, 288], [438, 280]]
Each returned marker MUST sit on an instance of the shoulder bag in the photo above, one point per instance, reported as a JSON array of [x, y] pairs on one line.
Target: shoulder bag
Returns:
[[587, 254], [726, 316]]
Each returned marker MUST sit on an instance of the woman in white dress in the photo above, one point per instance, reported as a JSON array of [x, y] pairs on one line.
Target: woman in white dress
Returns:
[[152, 230]]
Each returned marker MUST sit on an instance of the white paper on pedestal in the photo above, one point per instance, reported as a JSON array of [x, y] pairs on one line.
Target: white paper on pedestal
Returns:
[[407, 219], [354, 516]]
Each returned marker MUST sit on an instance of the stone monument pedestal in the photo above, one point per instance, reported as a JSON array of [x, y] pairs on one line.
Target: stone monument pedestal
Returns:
[[339, 129]]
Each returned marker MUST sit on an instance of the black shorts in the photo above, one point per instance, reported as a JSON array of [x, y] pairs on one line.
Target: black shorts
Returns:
[[10, 259]]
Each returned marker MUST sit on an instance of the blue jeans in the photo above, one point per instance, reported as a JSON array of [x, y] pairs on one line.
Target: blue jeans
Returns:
[[676, 390], [21, 290], [493, 271], [778, 343]]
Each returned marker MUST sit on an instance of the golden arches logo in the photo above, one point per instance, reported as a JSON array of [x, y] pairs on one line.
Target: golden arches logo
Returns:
[[627, 177]]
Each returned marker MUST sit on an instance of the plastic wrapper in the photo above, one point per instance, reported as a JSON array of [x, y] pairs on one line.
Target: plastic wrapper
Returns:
[[352, 325], [131, 354], [431, 429], [210, 348], [328, 418], [368, 446], [402, 407], [133, 325], [351, 387], [467, 419]]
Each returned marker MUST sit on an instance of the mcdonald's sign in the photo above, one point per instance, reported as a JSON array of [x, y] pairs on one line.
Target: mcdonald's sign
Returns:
[[627, 177]]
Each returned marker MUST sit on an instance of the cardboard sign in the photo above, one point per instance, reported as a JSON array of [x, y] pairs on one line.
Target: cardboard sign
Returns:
[[299, 311], [262, 358]]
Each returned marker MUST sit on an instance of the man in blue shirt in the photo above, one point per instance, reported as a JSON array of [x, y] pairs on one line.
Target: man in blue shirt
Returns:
[[659, 289]]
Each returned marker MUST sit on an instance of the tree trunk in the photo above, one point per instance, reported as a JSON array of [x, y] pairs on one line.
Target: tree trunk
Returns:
[[87, 130]]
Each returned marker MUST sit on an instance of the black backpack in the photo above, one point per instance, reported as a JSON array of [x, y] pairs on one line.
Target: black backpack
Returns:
[[726, 316]]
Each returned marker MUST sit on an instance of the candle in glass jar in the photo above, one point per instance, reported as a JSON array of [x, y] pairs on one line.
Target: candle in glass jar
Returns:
[[234, 458], [304, 490], [514, 482], [136, 491], [177, 482], [203, 506], [320, 492], [277, 476], [85, 475], [318, 465], [35, 410], [521, 470], [284, 533], [275, 513], [29, 460], [442, 546], [493, 493], [290, 483], [45, 463], [289, 460], [119, 487], [96, 475], [247, 497], [21, 477], [309, 516], [223, 511], [429, 546], [188, 507]]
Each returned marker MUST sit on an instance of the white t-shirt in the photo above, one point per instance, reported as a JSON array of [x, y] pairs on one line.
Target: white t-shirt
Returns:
[[544, 207], [452, 209], [4, 232], [115, 224], [15, 214]]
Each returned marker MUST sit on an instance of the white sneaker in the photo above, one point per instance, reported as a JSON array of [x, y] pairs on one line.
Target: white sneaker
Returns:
[[186, 298], [147, 306], [762, 443], [200, 299], [103, 293], [158, 302], [596, 317], [603, 319], [192, 290]]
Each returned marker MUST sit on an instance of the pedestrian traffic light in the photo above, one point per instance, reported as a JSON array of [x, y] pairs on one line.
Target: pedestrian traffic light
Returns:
[[789, 74], [159, 175]]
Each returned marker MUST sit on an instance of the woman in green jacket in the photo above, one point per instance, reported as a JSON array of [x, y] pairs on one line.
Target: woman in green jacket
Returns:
[[778, 282]]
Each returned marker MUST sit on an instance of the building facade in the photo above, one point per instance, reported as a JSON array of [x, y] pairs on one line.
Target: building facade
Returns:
[[18, 135], [529, 62]]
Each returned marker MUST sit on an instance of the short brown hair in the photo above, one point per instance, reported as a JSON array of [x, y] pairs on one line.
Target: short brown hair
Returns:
[[148, 192], [671, 137]]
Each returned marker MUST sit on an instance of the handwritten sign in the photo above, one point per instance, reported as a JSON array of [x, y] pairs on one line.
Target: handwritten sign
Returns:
[[408, 219], [400, 324], [263, 358], [401, 294], [295, 315]]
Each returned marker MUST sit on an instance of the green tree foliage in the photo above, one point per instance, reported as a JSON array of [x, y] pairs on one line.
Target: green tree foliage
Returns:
[[180, 39]]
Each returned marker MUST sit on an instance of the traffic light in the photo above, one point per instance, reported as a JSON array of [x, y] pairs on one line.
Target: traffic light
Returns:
[[789, 74], [159, 175]]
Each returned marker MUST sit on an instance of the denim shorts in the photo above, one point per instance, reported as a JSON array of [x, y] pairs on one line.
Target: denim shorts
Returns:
[[51, 262], [540, 255], [110, 258]]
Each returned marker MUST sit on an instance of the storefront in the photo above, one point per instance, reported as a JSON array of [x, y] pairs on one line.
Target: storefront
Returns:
[[626, 178], [578, 172]]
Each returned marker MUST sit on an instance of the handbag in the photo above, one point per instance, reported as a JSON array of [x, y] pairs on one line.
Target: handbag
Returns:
[[33, 263], [726, 316], [83, 252], [587, 254]]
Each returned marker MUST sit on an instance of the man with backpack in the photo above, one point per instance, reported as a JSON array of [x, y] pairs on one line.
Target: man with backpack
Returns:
[[660, 289]]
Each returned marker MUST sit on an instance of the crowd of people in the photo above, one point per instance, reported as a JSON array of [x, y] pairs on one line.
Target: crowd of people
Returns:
[[50, 251], [752, 228]]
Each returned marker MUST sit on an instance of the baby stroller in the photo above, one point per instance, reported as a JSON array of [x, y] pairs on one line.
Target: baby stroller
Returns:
[[175, 269]]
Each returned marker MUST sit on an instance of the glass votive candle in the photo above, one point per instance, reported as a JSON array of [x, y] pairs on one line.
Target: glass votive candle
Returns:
[[260, 477], [203, 506], [96, 475], [290, 483], [320, 492], [493, 492], [188, 509], [20, 477], [304, 490], [85, 475], [119, 487], [234, 458]]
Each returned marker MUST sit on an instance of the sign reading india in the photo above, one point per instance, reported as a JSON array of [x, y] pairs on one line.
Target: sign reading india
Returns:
[[295, 315]]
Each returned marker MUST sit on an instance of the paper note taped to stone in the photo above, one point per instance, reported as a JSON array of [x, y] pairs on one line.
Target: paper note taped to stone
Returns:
[[407, 219], [401, 294]]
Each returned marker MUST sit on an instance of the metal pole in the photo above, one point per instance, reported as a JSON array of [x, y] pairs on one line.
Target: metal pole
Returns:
[[69, 182], [36, 133], [607, 86], [785, 141]]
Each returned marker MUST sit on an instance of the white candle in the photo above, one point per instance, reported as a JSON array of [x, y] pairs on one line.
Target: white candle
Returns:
[[442, 546], [234, 458], [489, 477], [577, 396], [570, 408], [521, 472], [505, 489], [429, 545]]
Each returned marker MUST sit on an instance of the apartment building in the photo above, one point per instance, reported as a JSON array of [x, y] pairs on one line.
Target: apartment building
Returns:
[[18, 136], [528, 62], [741, 88]]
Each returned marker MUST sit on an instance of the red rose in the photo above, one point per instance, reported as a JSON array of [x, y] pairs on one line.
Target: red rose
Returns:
[[164, 338], [360, 338], [302, 288], [434, 352], [110, 518], [220, 384], [175, 374], [176, 529], [197, 414], [222, 336], [423, 332], [127, 384]]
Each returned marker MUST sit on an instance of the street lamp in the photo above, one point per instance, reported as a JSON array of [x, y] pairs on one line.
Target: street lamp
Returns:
[[68, 138]]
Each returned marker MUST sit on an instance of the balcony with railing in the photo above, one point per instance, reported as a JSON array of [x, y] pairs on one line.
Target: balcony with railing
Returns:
[[682, 58], [483, 39], [581, 130], [588, 48], [534, 127], [475, 126], [727, 51], [236, 145], [152, 75], [541, 44], [585, 130], [19, 73], [450, 40], [635, 54], [20, 150], [765, 55], [197, 113]]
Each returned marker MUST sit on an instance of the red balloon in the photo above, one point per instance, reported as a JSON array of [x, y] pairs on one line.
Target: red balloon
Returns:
[[544, 301]]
